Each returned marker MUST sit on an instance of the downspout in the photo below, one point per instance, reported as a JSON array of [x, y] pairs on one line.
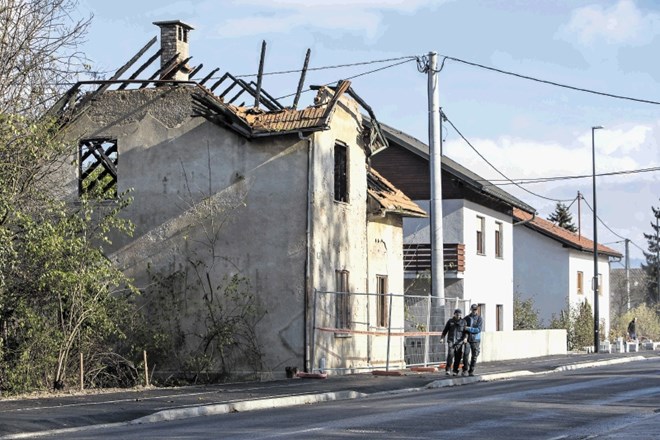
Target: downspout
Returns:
[[308, 259]]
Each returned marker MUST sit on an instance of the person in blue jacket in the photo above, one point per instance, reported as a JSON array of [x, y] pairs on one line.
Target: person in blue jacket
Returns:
[[456, 338], [473, 327]]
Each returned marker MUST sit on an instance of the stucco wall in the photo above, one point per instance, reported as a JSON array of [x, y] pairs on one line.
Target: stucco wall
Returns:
[[488, 279], [540, 271], [257, 215], [521, 344]]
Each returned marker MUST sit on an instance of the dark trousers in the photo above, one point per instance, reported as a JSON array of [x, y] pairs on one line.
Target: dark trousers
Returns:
[[454, 356], [471, 348]]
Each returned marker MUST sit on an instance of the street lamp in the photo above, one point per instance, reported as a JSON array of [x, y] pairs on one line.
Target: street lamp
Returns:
[[595, 282]]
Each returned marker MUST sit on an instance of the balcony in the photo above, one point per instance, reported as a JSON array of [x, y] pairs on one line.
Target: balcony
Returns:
[[417, 258]]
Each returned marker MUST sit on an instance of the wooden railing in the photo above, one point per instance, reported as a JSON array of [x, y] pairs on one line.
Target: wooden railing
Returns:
[[417, 257]]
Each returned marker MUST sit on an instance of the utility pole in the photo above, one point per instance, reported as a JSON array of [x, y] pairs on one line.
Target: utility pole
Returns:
[[435, 153], [657, 256], [628, 272], [596, 317], [579, 197]]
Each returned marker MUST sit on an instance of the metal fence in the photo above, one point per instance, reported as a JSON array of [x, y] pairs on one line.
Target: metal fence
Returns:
[[354, 331]]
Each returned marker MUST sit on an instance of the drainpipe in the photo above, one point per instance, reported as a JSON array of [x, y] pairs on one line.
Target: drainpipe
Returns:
[[308, 259]]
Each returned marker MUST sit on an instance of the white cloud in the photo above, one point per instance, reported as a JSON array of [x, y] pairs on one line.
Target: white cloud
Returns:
[[623, 23], [283, 16]]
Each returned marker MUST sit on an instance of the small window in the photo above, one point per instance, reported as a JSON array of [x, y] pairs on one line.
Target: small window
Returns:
[[499, 253], [481, 236], [98, 167], [341, 173], [499, 318], [382, 308], [580, 283], [180, 29], [343, 302]]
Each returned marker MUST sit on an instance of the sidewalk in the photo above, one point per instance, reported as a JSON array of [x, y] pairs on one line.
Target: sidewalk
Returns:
[[29, 418]]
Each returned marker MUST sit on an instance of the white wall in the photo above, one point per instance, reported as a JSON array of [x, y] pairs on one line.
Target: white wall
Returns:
[[521, 344], [540, 271], [488, 280], [584, 262]]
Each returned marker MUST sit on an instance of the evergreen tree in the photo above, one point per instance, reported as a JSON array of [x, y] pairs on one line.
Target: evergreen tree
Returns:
[[652, 263], [562, 217]]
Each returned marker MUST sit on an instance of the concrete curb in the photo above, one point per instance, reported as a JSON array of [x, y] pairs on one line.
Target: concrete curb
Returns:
[[245, 405]]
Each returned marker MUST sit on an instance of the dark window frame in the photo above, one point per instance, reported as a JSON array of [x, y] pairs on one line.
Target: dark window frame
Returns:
[[341, 181]]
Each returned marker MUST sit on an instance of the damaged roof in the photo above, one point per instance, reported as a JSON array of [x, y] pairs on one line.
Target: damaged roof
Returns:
[[564, 236], [389, 198]]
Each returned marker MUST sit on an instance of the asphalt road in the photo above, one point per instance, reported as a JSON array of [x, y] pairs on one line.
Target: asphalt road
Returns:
[[611, 402]]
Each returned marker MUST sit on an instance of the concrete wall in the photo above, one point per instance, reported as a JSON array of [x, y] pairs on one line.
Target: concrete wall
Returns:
[[520, 344], [584, 262]]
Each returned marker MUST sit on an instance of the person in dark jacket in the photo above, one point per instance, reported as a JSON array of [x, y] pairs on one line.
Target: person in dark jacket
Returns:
[[632, 331], [473, 326], [455, 332]]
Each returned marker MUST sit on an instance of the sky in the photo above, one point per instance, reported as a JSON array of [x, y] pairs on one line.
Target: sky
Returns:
[[523, 129]]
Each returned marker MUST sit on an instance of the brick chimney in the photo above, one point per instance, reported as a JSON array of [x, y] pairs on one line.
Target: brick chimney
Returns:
[[173, 40]]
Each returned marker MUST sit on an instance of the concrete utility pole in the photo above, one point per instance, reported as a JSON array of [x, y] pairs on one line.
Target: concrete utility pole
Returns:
[[596, 317], [657, 256], [435, 153], [628, 273]]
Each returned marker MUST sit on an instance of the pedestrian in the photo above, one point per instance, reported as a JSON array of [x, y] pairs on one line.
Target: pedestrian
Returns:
[[455, 332], [473, 327], [632, 331]]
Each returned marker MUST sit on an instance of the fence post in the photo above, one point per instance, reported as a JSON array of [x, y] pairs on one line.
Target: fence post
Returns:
[[427, 338], [389, 332], [313, 351], [146, 369], [82, 373]]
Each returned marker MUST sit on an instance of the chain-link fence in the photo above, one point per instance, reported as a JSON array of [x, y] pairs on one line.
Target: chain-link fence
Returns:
[[362, 331]]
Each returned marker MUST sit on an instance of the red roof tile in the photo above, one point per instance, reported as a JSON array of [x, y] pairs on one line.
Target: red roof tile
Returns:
[[562, 235], [389, 197]]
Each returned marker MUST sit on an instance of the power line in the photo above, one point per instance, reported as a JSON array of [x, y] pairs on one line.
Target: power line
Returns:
[[531, 78], [609, 229], [522, 181], [493, 166], [335, 66], [356, 76]]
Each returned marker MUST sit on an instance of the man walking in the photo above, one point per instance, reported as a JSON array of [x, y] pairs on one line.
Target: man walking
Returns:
[[473, 326], [455, 332]]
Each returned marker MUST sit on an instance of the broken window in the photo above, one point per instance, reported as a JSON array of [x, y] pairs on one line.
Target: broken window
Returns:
[[98, 167], [341, 173]]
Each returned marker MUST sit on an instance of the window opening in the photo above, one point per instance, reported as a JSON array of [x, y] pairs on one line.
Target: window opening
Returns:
[[341, 173], [382, 308], [98, 167], [481, 226], [343, 300]]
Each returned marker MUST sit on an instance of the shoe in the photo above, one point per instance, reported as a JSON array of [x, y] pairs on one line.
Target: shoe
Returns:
[[447, 373], [455, 373], [471, 374], [464, 373]]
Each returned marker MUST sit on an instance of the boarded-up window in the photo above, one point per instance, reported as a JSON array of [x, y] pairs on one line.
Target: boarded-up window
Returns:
[[499, 317], [382, 308], [343, 300], [341, 173], [98, 167]]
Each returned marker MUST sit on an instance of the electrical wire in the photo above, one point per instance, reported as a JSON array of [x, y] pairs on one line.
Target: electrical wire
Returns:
[[553, 83], [493, 166], [354, 76], [335, 66], [522, 181]]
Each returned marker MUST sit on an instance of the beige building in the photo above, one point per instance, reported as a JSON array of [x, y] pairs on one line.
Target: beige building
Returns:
[[282, 198]]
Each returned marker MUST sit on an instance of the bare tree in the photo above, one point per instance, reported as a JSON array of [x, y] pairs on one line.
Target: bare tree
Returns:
[[39, 54]]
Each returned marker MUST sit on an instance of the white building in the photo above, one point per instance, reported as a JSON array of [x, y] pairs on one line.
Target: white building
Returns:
[[554, 266]]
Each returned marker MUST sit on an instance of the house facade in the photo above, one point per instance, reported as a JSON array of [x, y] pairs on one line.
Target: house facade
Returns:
[[555, 267], [282, 198], [477, 230]]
